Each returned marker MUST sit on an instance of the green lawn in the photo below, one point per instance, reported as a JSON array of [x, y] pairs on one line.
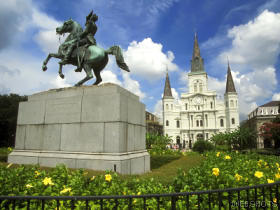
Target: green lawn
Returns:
[[163, 167]]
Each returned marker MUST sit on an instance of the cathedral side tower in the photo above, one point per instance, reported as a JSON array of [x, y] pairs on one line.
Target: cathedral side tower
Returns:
[[167, 106], [231, 103]]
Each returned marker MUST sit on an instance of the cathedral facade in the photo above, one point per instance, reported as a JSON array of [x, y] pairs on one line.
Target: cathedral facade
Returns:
[[198, 114]]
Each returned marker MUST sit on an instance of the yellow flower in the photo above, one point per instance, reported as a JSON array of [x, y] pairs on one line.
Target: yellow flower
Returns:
[[274, 200], [218, 154], [37, 173], [65, 190], [277, 164], [246, 179], [28, 186], [48, 181], [279, 169], [215, 171], [258, 174], [270, 181], [227, 157], [124, 193], [265, 163], [92, 178], [10, 149], [277, 176], [8, 166], [139, 193], [108, 177], [238, 177]]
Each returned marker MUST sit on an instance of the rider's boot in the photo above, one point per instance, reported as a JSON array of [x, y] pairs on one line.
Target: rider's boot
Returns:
[[78, 69]]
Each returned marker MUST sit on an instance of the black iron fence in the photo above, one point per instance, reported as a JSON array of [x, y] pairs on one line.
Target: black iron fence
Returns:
[[265, 196]]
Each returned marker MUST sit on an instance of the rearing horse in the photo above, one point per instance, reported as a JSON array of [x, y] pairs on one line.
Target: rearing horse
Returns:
[[92, 58]]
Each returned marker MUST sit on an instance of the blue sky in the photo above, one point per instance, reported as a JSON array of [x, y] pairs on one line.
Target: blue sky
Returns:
[[154, 35]]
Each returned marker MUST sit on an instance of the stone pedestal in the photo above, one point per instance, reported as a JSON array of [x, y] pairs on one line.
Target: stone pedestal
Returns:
[[95, 127]]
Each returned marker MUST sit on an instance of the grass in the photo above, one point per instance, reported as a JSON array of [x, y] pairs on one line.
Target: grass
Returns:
[[163, 167]]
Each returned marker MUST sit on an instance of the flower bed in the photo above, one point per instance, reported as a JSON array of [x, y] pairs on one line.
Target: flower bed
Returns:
[[227, 170], [219, 170]]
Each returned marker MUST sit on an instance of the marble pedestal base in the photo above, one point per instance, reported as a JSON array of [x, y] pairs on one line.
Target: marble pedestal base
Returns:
[[95, 127]]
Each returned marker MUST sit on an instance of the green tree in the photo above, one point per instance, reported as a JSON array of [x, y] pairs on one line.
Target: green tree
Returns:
[[241, 138], [8, 118], [202, 146], [155, 140]]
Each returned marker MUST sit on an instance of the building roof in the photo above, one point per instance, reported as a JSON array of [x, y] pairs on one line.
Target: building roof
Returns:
[[167, 87], [230, 84], [271, 103]]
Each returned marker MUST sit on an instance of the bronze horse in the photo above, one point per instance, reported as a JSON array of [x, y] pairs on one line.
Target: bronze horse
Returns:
[[91, 58]]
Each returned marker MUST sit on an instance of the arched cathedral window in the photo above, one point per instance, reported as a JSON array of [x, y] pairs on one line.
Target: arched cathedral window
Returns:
[[195, 87], [200, 87], [178, 124], [233, 121], [167, 123], [221, 122]]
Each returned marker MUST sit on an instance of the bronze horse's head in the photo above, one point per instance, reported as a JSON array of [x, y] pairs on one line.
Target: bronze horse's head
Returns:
[[65, 28]]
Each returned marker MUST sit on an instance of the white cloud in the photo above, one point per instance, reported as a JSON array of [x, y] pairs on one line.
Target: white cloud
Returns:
[[276, 97], [254, 49], [175, 94], [109, 76], [147, 60], [59, 83], [218, 85], [257, 43], [132, 85]]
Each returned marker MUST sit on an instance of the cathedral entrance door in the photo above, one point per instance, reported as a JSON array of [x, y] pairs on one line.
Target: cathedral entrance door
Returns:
[[178, 142]]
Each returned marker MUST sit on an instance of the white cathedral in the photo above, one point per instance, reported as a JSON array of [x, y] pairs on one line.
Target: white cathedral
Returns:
[[199, 114]]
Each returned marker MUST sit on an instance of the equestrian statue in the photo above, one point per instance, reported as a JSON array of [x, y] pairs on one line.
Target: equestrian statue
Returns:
[[80, 50]]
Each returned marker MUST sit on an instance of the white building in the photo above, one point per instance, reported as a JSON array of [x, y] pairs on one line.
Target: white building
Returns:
[[263, 114], [198, 113]]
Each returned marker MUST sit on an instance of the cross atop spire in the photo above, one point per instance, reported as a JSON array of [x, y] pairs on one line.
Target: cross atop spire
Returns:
[[230, 84]]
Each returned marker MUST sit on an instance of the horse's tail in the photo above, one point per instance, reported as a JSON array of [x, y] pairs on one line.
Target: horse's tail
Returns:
[[117, 52]]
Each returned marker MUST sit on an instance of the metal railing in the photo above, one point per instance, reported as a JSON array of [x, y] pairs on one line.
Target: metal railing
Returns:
[[265, 196]]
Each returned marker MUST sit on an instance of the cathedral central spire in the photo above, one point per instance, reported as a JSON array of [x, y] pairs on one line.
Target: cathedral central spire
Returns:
[[196, 51], [197, 64]]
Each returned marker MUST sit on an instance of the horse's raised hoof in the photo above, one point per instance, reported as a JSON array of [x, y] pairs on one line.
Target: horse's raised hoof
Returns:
[[62, 76], [44, 68]]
